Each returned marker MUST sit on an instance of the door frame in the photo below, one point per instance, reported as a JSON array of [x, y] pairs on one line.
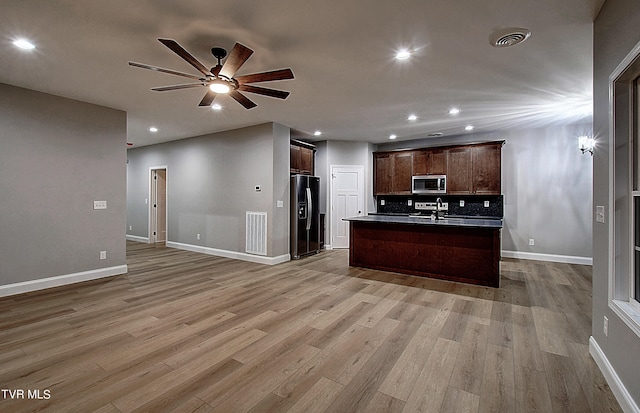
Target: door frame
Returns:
[[152, 238], [363, 193]]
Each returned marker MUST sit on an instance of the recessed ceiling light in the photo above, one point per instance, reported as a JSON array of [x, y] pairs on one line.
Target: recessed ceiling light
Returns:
[[153, 129], [468, 127], [24, 44], [216, 106], [454, 111], [412, 117], [403, 54], [317, 133], [392, 137]]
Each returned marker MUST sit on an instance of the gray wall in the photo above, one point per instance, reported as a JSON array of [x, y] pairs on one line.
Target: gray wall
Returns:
[[615, 34], [211, 182], [546, 182], [56, 157]]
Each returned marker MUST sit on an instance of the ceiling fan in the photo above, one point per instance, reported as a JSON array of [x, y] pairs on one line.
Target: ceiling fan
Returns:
[[220, 78]]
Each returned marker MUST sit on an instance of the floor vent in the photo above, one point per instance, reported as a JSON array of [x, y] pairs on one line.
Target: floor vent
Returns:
[[256, 233]]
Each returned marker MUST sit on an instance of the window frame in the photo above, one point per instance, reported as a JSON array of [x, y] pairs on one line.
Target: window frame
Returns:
[[624, 113]]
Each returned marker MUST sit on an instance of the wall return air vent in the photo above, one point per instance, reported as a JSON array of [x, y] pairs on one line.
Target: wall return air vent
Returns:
[[510, 36]]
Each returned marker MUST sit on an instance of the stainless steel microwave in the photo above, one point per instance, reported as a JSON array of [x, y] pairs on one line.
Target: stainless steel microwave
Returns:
[[429, 184]]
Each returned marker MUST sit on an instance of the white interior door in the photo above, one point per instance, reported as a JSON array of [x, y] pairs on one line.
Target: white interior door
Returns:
[[158, 206], [347, 200]]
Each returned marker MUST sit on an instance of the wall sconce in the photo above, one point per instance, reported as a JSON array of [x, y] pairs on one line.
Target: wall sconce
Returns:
[[586, 144]]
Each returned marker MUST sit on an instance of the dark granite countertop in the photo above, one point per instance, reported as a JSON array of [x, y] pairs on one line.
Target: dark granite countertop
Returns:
[[424, 220]]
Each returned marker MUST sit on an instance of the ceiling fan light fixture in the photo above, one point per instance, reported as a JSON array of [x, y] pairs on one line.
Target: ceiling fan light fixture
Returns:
[[219, 86]]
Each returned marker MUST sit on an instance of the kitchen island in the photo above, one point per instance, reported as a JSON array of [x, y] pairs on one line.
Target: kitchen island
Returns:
[[456, 249]]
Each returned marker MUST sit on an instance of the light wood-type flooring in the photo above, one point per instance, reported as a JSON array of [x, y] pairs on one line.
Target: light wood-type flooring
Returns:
[[185, 332]]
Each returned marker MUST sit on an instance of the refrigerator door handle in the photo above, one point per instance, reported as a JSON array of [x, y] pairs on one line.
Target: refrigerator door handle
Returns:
[[309, 208]]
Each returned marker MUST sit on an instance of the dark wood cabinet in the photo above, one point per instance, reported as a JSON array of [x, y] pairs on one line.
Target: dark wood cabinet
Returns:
[[459, 171], [486, 169], [393, 173], [430, 162], [474, 169], [382, 175], [301, 159], [470, 169], [402, 172]]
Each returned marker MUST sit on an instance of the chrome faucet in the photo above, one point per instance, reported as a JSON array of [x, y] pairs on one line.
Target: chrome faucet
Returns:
[[438, 206]]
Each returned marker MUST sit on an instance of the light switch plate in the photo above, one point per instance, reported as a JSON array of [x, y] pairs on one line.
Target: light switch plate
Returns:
[[461, 202], [382, 202], [600, 214], [486, 204], [279, 204], [410, 202], [99, 204]]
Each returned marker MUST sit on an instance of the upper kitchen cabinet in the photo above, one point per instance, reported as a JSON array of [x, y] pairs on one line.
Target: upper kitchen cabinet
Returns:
[[302, 158], [474, 169], [486, 170], [459, 171], [393, 171], [430, 162]]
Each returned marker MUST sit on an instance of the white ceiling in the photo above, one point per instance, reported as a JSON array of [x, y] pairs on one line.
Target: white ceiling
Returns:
[[347, 83]]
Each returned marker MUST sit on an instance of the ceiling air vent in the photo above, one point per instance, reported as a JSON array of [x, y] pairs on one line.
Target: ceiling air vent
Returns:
[[509, 37], [434, 134]]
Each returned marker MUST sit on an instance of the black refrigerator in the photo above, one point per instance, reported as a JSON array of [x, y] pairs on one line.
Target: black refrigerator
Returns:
[[305, 215]]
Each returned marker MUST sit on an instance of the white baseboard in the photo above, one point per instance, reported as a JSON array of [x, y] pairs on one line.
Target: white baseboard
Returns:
[[568, 259], [231, 254], [138, 239], [623, 397], [44, 283]]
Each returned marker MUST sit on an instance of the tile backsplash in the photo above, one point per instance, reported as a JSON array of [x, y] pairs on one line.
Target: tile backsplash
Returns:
[[474, 205]]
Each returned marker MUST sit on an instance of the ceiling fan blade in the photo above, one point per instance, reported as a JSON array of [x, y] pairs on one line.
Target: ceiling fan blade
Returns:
[[242, 99], [175, 87], [282, 74], [207, 100], [280, 94], [239, 54], [159, 69], [180, 51]]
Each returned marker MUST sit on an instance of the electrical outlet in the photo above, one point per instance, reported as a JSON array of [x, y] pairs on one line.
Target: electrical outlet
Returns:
[[130, 227], [605, 326], [197, 236], [103, 255], [461, 202], [486, 204], [532, 241], [410, 202], [99, 204], [382, 202]]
